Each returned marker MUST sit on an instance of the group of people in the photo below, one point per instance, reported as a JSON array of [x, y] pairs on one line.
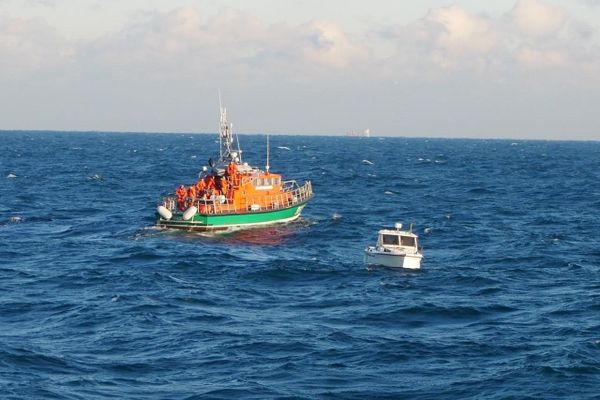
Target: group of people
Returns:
[[208, 188]]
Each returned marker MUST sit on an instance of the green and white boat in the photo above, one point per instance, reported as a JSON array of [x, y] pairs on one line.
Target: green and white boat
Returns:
[[230, 193]]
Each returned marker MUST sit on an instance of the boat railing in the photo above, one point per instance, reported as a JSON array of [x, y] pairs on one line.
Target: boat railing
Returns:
[[292, 193]]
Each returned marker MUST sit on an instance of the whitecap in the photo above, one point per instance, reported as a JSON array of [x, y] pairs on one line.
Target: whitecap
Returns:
[[193, 156], [178, 280], [388, 192], [283, 148], [10, 176], [115, 298], [367, 162], [335, 216], [15, 219], [427, 230]]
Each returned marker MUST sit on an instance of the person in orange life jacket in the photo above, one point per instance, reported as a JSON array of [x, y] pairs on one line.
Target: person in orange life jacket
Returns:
[[231, 169], [210, 182], [200, 185], [192, 192], [224, 186], [181, 192], [232, 172]]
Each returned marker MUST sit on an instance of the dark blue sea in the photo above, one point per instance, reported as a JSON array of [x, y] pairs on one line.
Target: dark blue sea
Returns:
[[96, 303]]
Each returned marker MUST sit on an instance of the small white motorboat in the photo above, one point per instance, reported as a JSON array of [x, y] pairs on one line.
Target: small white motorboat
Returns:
[[395, 248]]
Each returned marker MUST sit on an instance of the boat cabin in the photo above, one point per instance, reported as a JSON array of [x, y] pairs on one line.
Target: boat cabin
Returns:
[[397, 238]]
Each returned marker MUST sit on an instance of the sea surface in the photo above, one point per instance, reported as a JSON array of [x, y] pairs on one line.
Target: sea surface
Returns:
[[97, 303]]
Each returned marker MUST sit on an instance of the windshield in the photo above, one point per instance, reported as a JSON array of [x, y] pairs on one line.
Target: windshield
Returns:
[[408, 241], [390, 240]]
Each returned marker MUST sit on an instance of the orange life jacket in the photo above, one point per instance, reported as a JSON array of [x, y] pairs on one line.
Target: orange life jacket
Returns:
[[224, 186], [209, 181]]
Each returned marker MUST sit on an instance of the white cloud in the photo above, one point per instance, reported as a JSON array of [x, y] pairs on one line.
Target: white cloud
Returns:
[[30, 46], [325, 43], [532, 35], [153, 72], [231, 46], [538, 18], [462, 33], [185, 44]]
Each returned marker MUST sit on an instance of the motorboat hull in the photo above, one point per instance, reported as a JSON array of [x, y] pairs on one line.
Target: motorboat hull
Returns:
[[392, 259]]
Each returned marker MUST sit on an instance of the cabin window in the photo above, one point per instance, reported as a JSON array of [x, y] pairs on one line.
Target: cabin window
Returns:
[[390, 240], [266, 181], [408, 241]]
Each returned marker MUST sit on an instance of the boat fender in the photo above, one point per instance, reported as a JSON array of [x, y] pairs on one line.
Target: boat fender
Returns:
[[189, 213], [164, 212]]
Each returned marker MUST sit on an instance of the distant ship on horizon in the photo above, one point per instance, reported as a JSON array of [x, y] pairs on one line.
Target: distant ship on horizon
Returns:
[[365, 133]]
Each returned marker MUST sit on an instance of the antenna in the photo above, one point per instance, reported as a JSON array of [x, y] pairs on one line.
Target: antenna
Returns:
[[220, 126], [237, 135], [267, 166]]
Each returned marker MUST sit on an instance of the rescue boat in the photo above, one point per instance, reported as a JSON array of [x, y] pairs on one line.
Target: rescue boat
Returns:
[[231, 193]]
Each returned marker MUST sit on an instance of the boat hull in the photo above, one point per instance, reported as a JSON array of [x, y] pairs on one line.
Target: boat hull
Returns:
[[207, 222], [392, 260]]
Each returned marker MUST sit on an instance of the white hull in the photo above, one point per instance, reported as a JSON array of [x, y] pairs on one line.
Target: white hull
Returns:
[[393, 259]]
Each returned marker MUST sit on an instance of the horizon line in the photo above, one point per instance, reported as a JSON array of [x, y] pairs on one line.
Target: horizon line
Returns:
[[299, 134]]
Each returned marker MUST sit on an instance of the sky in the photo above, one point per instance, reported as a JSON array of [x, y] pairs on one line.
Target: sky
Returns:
[[519, 69]]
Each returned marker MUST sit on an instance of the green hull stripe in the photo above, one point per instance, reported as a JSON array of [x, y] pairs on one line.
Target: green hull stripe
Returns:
[[203, 220]]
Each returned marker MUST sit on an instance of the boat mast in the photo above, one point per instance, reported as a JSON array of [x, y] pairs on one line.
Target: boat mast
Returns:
[[267, 166], [225, 135]]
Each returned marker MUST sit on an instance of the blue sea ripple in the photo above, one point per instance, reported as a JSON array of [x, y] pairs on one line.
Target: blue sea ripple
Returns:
[[96, 303]]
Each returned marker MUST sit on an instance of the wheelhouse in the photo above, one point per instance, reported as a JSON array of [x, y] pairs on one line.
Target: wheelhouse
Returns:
[[389, 238]]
